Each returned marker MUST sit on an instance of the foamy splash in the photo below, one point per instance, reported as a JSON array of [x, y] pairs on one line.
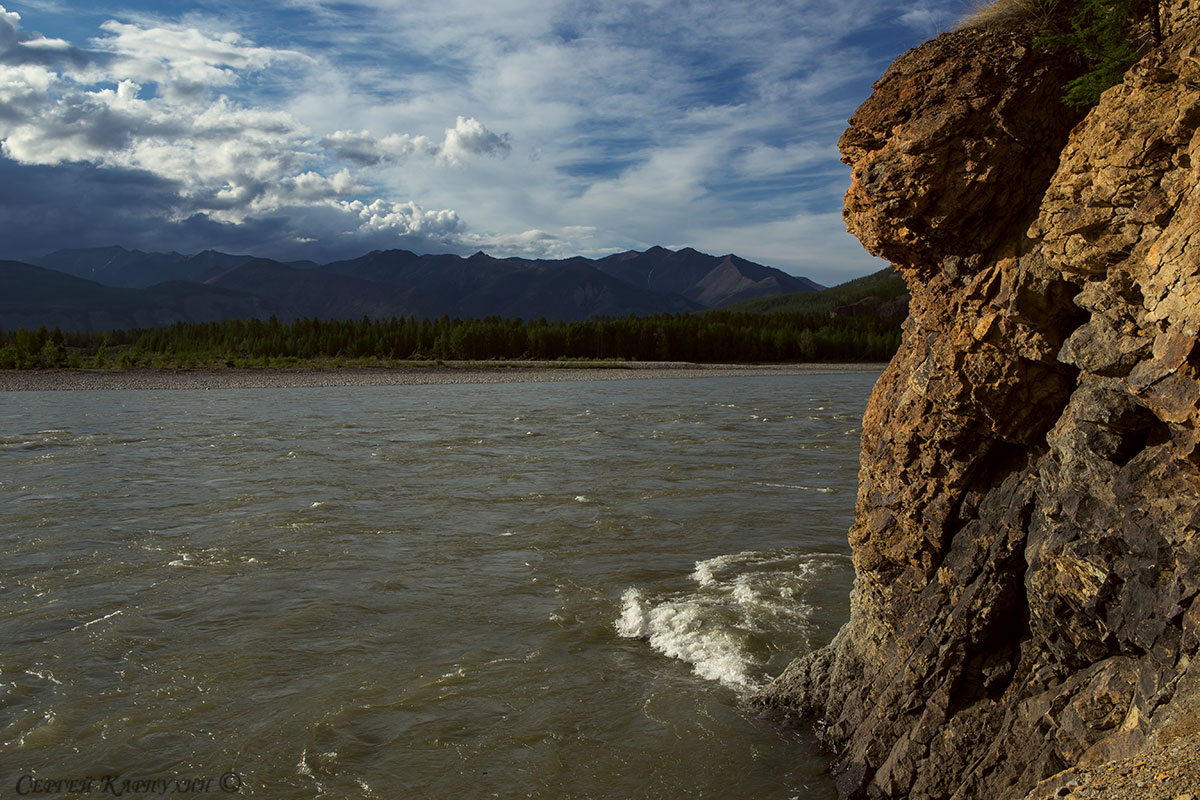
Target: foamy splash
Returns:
[[723, 627], [683, 630]]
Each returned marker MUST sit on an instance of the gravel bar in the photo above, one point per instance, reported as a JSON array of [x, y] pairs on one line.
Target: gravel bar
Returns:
[[449, 372]]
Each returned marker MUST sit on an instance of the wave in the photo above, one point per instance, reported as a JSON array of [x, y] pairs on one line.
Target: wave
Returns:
[[686, 631], [729, 625]]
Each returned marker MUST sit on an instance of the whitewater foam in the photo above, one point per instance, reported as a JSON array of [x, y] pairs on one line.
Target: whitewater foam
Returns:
[[634, 621], [727, 627], [685, 631]]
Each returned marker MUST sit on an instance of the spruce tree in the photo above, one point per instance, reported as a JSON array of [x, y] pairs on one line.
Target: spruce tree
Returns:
[[1104, 33]]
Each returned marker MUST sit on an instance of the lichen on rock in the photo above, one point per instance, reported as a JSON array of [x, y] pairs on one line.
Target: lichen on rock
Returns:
[[1027, 533]]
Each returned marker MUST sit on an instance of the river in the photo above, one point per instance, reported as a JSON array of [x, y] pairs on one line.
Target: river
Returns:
[[547, 590]]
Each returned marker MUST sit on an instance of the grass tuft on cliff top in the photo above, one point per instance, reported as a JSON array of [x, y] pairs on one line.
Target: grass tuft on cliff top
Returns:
[[1007, 15]]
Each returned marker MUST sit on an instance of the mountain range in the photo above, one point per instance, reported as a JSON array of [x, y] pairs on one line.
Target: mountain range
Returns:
[[115, 288]]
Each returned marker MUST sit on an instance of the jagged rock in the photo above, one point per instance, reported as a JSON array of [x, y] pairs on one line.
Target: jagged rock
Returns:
[[1027, 533], [954, 138]]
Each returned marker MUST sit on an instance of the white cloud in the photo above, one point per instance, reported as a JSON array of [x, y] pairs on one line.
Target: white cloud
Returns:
[[311, 187], [184, 62], [18, 47], [227, 161], [534, 243], [929, 18], [57, 6], [22, 88], [10, 23], [469, 137], [404, 218], [642, 122], [43, 43], [362, 148], [120, 128], [578, 128], [765, 160]]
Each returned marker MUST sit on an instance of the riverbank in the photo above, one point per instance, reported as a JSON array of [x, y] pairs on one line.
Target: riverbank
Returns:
[[444, 373], [1170, 771]]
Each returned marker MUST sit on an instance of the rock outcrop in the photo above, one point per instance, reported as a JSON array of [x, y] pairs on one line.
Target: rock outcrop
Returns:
[[1027, 534]]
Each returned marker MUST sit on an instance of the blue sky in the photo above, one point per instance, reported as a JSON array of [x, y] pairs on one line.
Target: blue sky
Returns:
[[318, 129]]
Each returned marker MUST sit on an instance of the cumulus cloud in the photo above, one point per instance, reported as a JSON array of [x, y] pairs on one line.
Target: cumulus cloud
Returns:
[[650, 122], [566, 242], [10, 22], [142, 101], [364, 149], [225, 159], [184, 62], [404, 218], [81, 126], [330, 123], [246, 197], [469, 137], [534, 243], [22, 90], [18, 47]]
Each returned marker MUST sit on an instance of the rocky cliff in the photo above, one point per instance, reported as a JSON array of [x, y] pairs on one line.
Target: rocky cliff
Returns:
[[1027, 537]]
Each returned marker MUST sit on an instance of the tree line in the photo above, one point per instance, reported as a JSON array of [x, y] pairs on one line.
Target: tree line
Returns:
[[712, 337]]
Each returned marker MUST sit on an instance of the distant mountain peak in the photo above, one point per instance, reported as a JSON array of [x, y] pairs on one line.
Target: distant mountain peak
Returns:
[[398, 282]]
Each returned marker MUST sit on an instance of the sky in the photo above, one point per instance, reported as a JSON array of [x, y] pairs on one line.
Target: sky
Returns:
[[323, 129]]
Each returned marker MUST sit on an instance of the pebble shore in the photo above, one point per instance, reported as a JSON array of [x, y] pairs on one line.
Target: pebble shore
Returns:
[[1168, 771], [511, 372]]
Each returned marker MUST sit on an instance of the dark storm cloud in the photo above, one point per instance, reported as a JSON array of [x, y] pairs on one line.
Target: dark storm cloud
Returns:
[[43, 209]]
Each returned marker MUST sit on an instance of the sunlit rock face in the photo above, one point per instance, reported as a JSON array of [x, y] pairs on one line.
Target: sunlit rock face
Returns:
[[1027, 540]]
